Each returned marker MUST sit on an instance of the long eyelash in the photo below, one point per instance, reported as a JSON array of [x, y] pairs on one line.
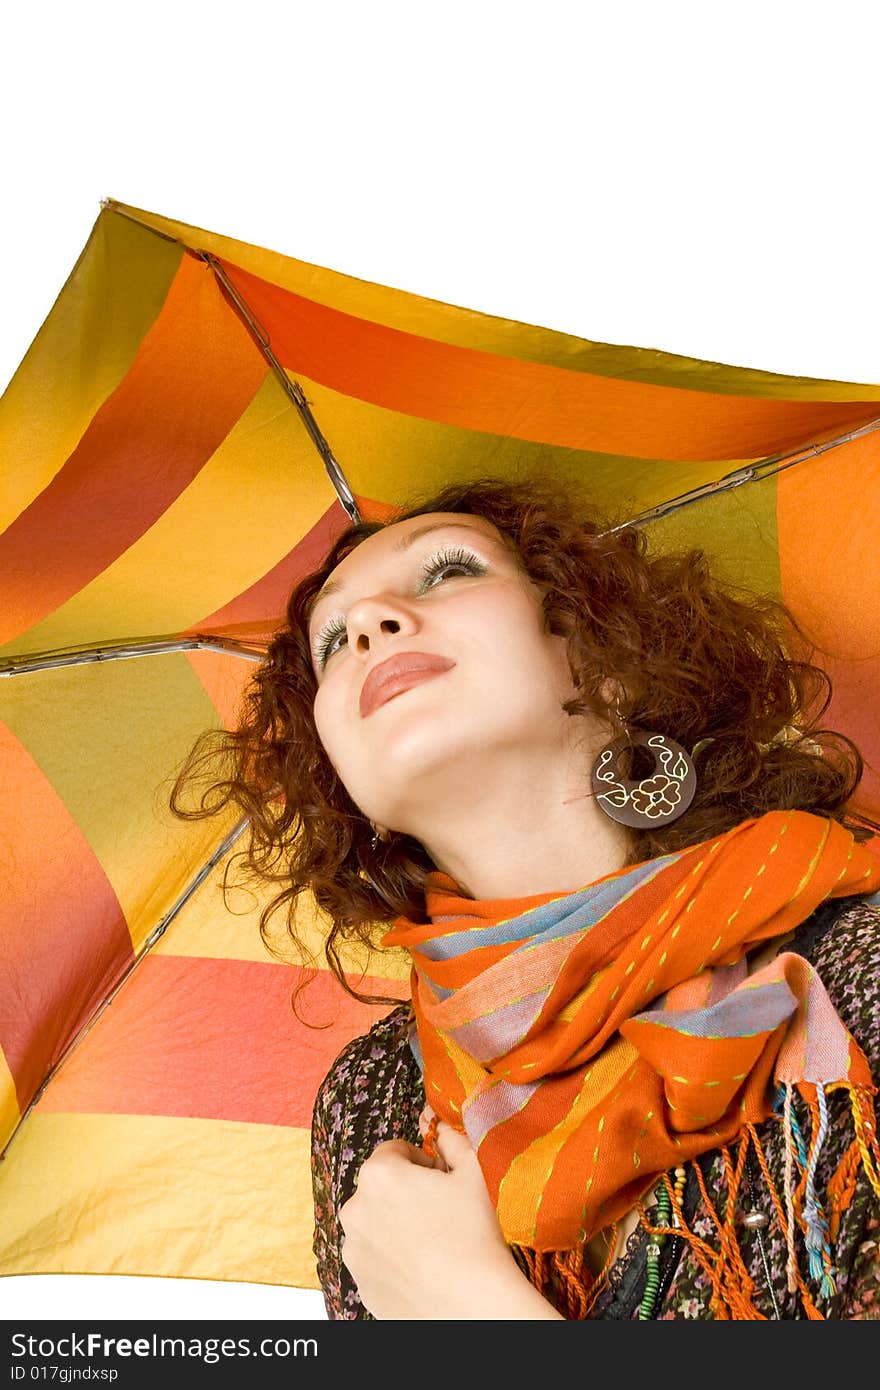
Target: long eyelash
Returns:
[[459, 556]]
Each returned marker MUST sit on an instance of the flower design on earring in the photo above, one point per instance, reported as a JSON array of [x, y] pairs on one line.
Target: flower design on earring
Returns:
[[657, 796]]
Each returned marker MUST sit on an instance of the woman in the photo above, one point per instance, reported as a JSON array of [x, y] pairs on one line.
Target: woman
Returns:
[[635, 1078]]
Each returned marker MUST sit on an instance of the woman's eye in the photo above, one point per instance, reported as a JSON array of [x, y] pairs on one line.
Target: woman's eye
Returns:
[[443, 569], [453, 559], [326, 643], [438, 565]]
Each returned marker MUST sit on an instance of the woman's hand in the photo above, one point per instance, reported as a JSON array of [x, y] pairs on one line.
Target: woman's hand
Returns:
[[422, 1238]]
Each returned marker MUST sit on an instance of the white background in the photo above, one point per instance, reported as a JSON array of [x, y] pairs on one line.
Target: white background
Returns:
[[697, 178]]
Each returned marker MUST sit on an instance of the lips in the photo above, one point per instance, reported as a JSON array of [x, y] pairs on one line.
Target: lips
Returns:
[[397, 674]]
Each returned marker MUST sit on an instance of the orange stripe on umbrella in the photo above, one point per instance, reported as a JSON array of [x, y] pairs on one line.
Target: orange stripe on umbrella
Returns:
[[212, 1039], [194, 374], [528, 400], [57, 964]]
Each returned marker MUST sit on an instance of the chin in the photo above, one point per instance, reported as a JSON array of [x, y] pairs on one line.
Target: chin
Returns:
[[422, 743]]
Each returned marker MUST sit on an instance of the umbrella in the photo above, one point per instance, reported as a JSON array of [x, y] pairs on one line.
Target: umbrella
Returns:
[[194, 423]]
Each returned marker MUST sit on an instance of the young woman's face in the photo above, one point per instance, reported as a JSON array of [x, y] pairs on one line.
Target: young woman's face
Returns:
[[443, 585]]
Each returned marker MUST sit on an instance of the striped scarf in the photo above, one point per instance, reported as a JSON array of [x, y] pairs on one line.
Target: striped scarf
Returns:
[[589, 1041]]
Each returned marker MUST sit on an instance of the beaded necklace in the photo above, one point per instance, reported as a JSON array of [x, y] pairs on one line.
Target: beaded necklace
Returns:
[[648, 1305]]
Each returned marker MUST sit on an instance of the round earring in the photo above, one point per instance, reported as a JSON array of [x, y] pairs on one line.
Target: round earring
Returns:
[[644, 802]]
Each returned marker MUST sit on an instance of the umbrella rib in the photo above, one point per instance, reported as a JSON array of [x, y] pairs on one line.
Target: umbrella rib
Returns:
[[118, 651], [113, 206], [292, 389], [764, 468], [753, 473], [157, 932]]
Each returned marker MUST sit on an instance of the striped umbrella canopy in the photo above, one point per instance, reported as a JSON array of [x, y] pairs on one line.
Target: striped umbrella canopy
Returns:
[[194, 423]]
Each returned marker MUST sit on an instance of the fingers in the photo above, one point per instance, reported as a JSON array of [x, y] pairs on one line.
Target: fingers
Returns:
[[391, 1153], [449, 1146], [426, 1158], [453, 1146]]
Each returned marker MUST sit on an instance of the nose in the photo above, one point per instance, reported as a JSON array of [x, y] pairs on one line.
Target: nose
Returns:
[[377, 619]]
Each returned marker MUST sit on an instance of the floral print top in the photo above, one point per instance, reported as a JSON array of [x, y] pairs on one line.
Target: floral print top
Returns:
[[374, 1092]]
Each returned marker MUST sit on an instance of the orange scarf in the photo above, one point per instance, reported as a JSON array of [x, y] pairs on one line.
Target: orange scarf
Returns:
[[587, 1042]]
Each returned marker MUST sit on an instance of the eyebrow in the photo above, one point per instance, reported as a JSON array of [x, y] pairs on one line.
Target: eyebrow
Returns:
[[403, 544]]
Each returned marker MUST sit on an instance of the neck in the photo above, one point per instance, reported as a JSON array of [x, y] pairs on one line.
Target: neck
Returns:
[[530, 835]]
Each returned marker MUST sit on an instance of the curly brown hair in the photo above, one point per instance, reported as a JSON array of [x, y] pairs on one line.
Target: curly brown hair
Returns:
[[699, 660]]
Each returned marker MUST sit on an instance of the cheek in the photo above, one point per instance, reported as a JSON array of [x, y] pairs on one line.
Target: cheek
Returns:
[[333, 727], [325, 722], [520, 645], [543, 662]]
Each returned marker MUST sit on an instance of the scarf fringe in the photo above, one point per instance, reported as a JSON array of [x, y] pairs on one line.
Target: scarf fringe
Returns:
[[864, 1119], [566, 1280], [564, 1277]]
